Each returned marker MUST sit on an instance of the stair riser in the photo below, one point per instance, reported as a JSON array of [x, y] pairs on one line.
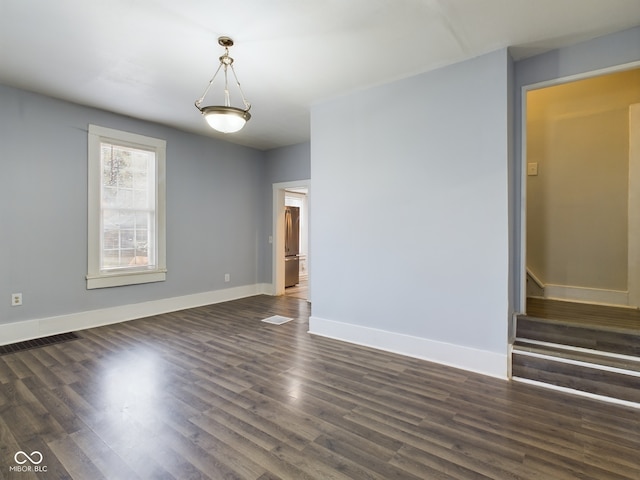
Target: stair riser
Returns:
[[578, 377], [579, 336]]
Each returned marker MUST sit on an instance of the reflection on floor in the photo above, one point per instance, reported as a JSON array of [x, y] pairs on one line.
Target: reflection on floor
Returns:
[[301, 290]]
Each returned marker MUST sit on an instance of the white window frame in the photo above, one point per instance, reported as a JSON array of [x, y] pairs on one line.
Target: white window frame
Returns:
[[97, 278]]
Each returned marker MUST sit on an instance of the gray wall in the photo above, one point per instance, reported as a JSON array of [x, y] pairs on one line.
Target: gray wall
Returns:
[[422, 165], [214, 210], [286, 164], [608, 51]]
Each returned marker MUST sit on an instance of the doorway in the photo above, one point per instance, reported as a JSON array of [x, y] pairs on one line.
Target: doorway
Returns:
[[298, 285], [296, 194], [580, 179]]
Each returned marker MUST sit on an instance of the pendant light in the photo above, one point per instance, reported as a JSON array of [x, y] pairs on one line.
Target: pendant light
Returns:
[[225, 118]]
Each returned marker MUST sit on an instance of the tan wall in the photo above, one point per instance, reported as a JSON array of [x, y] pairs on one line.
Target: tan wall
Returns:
[[578, 133]]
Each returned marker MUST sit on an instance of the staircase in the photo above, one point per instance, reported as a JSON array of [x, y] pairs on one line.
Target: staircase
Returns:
[[589, 357]]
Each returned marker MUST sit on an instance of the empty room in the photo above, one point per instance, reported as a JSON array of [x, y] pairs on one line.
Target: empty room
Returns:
[[320, 240]]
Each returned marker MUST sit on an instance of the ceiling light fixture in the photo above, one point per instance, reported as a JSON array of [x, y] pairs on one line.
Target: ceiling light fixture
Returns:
[[225, 118]]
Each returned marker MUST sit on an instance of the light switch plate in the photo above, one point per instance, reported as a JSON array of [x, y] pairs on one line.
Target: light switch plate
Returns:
[[532, 168]]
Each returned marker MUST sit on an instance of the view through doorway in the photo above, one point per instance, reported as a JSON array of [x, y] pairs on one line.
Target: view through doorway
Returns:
[[581, 175], [579, 322], [297, 198], [291, 195]]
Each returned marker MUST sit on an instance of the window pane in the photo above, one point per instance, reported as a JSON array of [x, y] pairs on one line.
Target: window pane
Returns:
[[141, 160], [110, 259], [127, 239], [111, 240], [140, 199], [124, 198], [109, 195], [126, 257], [128, 206], [142, 220]]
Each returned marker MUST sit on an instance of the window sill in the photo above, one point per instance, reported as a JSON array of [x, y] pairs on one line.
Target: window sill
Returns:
[[129, 278]]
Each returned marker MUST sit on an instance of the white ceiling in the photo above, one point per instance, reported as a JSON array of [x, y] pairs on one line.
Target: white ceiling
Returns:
[[151, 59]]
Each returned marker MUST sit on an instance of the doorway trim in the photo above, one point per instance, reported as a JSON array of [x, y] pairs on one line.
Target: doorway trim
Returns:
[[277, 235], [522, 287], [633, 282]]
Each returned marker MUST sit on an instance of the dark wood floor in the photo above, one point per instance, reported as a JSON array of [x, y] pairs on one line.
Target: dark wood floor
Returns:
[[584, 313], [301, 290], [212, 392]]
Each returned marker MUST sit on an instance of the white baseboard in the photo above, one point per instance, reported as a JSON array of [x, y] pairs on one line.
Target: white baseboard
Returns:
[[471, 359], [588, 295], [42, 327]]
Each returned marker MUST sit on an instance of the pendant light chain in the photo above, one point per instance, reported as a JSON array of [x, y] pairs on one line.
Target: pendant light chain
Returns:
[[225, 118], [206, 90], [247, 105], [225, 61], [227, 100]]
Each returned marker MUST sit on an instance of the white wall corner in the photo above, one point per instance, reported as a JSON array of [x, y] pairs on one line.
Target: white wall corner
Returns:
[[479, 361], [37, 328], [265, 289]]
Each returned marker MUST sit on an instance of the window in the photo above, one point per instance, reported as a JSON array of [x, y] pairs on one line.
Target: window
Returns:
[[126, 209]]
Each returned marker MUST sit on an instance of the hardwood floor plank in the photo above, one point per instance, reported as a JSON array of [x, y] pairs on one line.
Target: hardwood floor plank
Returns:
[[60, 412], [30, 418], [241, 425], [44, 373], [7, 375], [242, 453], [594, 380], [620, 461], [362, 394], [612, 427], [584, 313], [267, 435], [313, 467], [17, 366], [420, 469], [441, 460], [84, 411], [585, 336], [207, 454], [464, 445], [569, 469], [306, 428], [108, 462], [134, 446], [374, 437], [167, 453], [353, 462]]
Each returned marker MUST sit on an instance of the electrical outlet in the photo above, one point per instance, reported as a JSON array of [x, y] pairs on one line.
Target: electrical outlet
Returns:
[[227, 277], [16, 299]]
